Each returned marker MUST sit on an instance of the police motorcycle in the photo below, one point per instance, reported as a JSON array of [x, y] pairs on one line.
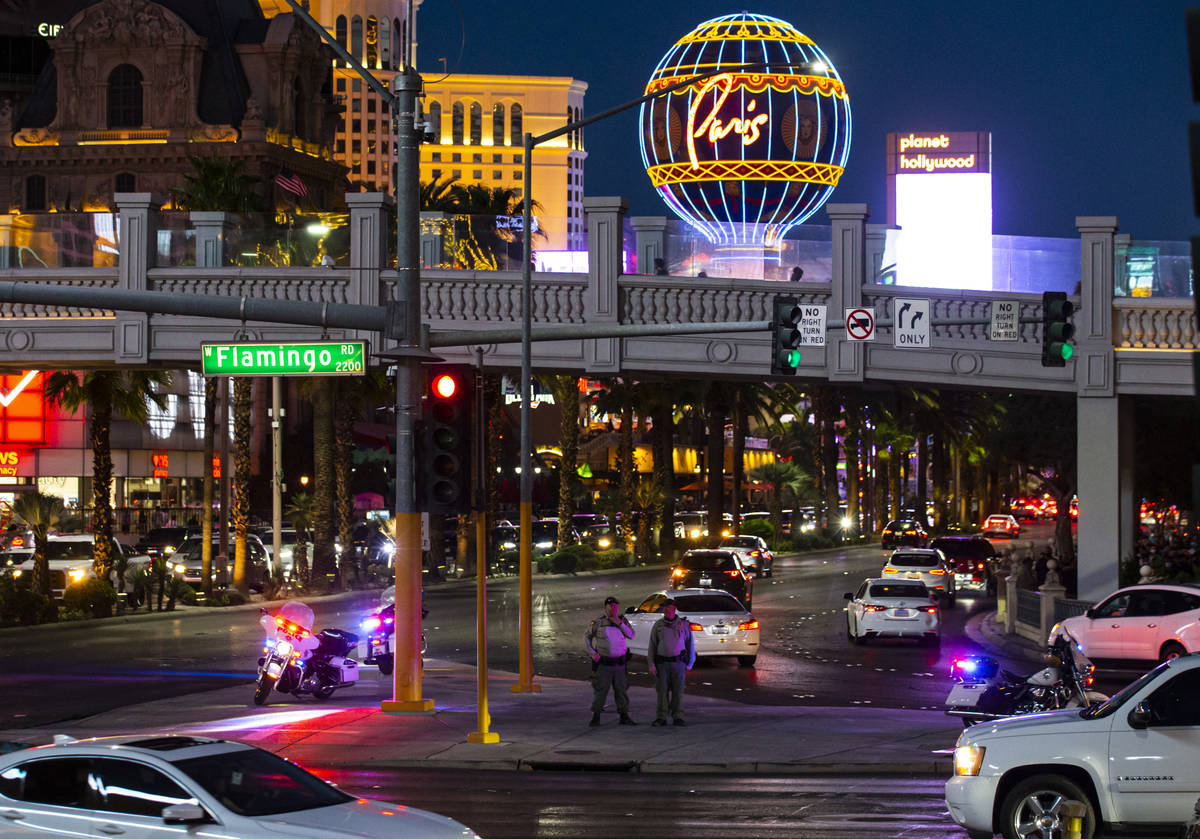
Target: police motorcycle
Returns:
[[296, 661], [379, 628], [985, 691]]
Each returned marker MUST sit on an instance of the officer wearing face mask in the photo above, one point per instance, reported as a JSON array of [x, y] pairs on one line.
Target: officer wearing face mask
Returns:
[[607, 642], [671, 654]]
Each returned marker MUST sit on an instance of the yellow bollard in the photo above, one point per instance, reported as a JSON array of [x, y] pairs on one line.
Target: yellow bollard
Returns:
[[482, 735], [1072, 819]]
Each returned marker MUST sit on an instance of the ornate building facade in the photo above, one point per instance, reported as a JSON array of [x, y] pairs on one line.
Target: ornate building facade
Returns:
[[134, 88]]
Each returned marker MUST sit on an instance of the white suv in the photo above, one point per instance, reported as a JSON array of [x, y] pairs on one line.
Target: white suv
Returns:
[[1151, 622], [1133, 761]]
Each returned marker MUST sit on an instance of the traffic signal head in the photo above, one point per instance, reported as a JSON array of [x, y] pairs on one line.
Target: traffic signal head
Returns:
[[1057, 329], [444, 441], [785, 336]]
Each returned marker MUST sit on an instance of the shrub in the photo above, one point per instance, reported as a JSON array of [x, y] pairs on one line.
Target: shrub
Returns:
[[182, 592], [543, 564], [812, 541], [21, 605], [95, 598], [757, 527], [233, 597], [573, 558], [614, 558]]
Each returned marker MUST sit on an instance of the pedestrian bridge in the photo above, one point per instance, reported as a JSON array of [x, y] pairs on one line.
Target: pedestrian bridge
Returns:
[[1125, 346]]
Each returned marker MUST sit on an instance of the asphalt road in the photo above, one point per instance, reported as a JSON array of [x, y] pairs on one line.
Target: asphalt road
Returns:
[[56, 674]]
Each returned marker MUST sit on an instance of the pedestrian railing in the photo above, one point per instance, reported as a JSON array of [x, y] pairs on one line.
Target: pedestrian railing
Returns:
[[1066, 608], [1029, 608]]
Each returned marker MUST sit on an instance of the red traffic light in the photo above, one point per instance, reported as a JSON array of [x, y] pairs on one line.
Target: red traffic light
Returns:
[[445, 386]]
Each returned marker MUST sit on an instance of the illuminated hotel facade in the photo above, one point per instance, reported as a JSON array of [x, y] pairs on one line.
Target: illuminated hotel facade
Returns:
[[479, 122]]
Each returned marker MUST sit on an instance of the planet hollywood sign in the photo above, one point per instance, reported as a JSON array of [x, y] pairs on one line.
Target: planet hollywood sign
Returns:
[[959, 151]]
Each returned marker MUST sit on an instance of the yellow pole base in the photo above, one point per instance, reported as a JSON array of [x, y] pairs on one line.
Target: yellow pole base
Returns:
[[532, 687], [483, 737], [416, 706]]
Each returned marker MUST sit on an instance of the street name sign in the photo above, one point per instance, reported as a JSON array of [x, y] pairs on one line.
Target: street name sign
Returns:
[[860, 324], [317, 358], [812, 326], [1005, 326], [910, 328]]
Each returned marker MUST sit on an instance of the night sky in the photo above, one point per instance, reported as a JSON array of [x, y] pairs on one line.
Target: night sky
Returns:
[[1088, 102]]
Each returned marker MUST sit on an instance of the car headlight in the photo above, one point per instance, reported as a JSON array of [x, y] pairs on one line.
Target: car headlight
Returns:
[[181, 569], [694, 533], [846, 522], [544, 545], [76, 574], [17, 572], [168, 549], [605, 543], [507, 546], [968, 760]]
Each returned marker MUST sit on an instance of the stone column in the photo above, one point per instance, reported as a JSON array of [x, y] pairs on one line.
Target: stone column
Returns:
[[368, 251], [1104, 425], [210, 230], [601, 303], [135, 235], [843, 357], [876, 244], [433, 245], [651, 241]]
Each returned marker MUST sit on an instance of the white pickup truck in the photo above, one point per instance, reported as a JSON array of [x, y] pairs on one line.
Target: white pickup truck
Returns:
[[1134, 762]]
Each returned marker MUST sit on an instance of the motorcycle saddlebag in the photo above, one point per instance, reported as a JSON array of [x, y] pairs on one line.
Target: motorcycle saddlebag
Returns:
[[345, 669]]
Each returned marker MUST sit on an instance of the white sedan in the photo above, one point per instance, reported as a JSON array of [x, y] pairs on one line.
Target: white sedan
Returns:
[[886, 607], [157, 786], [721, 625]]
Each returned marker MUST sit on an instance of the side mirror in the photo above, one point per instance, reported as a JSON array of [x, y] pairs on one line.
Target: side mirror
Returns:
[[184, 814], [1139, 717], [1090, 613], [631, 610], [848, 596]]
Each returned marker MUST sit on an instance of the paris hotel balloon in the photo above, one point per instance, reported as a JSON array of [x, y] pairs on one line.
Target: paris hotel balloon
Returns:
[[745, 154]]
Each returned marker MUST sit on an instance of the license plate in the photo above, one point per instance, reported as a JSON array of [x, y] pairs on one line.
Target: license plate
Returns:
[[965, 696], [705, 581], [900, 613], [720, 630], [913, 576]]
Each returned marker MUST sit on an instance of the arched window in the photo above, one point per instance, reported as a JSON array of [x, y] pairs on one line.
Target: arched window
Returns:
[[385, 45], [356, 37], [298, 105], [456, 124], [339, 32], [35, 194], [400, 32], [517, 132], [435, 119], [578, 131], [571, 133], [372, 62], [476, 124], [125, 97], [498, 124], [125, 182]]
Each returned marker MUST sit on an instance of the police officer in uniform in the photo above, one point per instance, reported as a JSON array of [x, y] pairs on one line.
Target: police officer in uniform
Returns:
[[607, 643], [671, 654]]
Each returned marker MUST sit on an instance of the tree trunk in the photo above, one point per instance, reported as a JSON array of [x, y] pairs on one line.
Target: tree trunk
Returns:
[[323, 555], [241, 478], [343, 453], [829, 457], [206, 483], [102, 469], [852, 443], [715, 456], [922, 494], [566, 393], [895, 471], [741, 430], [628, 469], [663, 441]]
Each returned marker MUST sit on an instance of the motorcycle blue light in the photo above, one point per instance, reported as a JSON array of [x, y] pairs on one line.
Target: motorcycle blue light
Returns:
[[371, 623]]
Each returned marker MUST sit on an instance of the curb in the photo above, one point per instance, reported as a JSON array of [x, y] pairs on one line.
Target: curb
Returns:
[[939, 768]]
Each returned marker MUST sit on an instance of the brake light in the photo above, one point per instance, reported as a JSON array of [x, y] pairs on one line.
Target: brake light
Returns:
[[889, 570], [748, 625], [937, 570], [981, 566], [930, 609], [755, 553], [695, 627], [1089, 681], [677, 572], [732, 573], [17, 541], [910, 533], [873, 607]]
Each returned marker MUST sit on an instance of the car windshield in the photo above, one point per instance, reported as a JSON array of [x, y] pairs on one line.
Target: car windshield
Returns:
[[165, 535], [545, 530], [697, 604], [899, 590], [258, 783], [69, 550], [708, 562], [740, 542], [963, 548], [915, 560], [903, 525], [1122, 696]]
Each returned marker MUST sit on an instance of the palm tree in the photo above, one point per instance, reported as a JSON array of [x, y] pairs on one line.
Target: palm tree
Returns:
[[440, 195], [42, 513], [782, 476], [323, 551], [300, 512], [103, 392], [206, 517], [355, 396], [241, 477], [217, 183], [566, 395], [716, 409]]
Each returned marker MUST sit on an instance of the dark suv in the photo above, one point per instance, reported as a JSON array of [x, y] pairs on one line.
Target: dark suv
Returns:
[[904, 533], [973, 559], [164, 541], [713, 569]]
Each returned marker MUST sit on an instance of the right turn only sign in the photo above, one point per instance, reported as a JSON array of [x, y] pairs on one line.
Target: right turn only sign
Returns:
[[910, 323]]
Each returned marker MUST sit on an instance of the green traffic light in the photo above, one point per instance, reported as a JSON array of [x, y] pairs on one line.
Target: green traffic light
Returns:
[[1068, 350], [789, 358]]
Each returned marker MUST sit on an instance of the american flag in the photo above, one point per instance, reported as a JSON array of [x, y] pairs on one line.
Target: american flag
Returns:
[[289, 181]]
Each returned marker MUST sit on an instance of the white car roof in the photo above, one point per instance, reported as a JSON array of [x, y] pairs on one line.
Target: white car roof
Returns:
[[167, 747]]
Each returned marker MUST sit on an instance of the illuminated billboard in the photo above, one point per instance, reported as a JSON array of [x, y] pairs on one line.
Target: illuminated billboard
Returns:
[[940, 196], [745, 154]]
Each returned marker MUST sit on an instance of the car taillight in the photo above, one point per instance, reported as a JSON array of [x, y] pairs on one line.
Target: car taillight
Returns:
[[695, 627], [930, 609], [755, 553], [677, 572], [910, 533], [981, 566], [889, 570], [732, 573], [748, 625], [873, 607], [937, 570]]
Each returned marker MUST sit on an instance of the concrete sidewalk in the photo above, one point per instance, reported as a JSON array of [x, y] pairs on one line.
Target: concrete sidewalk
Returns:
[[544, 730]]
